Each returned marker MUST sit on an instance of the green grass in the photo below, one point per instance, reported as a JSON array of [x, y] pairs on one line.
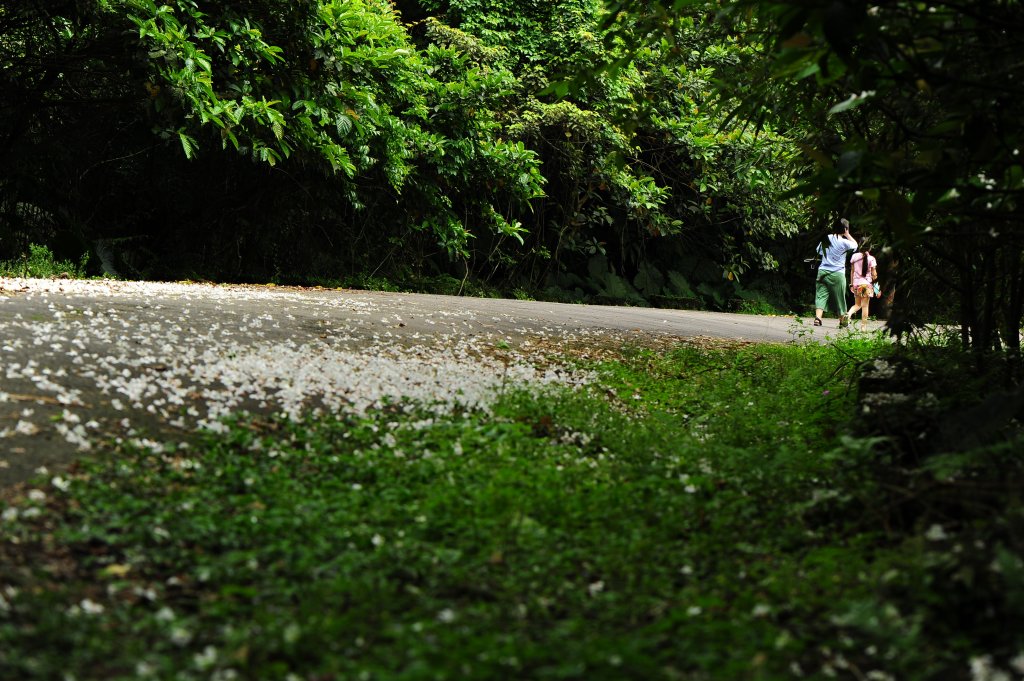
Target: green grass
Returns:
[[40, 262], [438, 285], [698, 515]]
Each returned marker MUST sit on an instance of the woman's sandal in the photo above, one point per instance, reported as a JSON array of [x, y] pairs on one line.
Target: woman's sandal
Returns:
[[817, 321]]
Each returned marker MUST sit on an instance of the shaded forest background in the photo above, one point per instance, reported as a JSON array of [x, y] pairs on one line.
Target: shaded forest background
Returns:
[[649, 152], [310, 141]]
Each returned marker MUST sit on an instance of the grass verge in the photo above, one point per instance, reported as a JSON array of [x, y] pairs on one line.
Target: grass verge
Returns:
[[699, 514], [41, 263]]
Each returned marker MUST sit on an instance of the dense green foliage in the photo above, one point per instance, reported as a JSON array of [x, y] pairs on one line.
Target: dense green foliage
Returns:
[[908, 115], [328, 138], [40, 262], [926, 103], [713, 520], [249, 128]]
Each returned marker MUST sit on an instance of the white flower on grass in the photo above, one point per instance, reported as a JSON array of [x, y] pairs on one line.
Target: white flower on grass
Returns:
[[85, 607], [936, 533], [36, 495], [377, 540], [90, 607], [447, 616], [1018, 663], [595, 588], [147, 593], [982, 669], [61, 484], [292, 633], [75, 436], [205, 659], [144, 669], [180, 636], [879, 675], [694, 610], [26, 428]]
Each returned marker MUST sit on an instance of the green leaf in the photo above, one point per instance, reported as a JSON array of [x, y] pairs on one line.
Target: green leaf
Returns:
[[851, 102], [188, 144]]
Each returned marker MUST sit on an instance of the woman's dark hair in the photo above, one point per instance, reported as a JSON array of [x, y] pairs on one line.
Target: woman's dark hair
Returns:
[[865, 247]]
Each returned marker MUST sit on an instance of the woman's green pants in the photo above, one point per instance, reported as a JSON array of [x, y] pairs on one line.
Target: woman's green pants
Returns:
[[830, 291]]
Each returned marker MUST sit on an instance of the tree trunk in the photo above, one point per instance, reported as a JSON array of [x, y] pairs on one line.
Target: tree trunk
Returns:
[[1012, 312], [990, 335], [968, 315]]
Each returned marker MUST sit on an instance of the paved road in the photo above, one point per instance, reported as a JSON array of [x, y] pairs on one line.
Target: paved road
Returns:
[[84, 360]]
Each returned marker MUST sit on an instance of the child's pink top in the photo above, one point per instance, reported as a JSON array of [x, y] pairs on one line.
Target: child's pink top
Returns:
[[856, 263]]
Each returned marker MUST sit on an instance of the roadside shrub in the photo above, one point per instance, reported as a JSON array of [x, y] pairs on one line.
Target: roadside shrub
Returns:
[[40, 262]]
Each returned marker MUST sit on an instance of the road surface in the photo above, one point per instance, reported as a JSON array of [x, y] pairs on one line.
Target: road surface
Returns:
[[85, 360]]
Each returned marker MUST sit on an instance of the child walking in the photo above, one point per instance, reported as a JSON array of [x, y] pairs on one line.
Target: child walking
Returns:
[[863, 275]]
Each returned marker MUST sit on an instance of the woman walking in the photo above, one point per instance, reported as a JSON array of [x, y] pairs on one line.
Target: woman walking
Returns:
[[830, 284], [863, 275]]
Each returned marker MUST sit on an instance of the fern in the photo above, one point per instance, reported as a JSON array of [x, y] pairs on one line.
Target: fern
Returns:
[[188, 144], [679, 286], [649, 280], [343, 123], [619, 288]]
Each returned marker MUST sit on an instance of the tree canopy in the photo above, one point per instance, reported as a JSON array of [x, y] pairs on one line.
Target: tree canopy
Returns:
[[254, 139], [707, 143], [908, 117]]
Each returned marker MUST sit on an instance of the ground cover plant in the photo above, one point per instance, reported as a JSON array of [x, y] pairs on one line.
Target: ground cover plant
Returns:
[[700, 513], [39, 261]]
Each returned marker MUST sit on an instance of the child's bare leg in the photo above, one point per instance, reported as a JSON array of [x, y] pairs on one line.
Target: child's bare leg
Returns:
[[863, 304]]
